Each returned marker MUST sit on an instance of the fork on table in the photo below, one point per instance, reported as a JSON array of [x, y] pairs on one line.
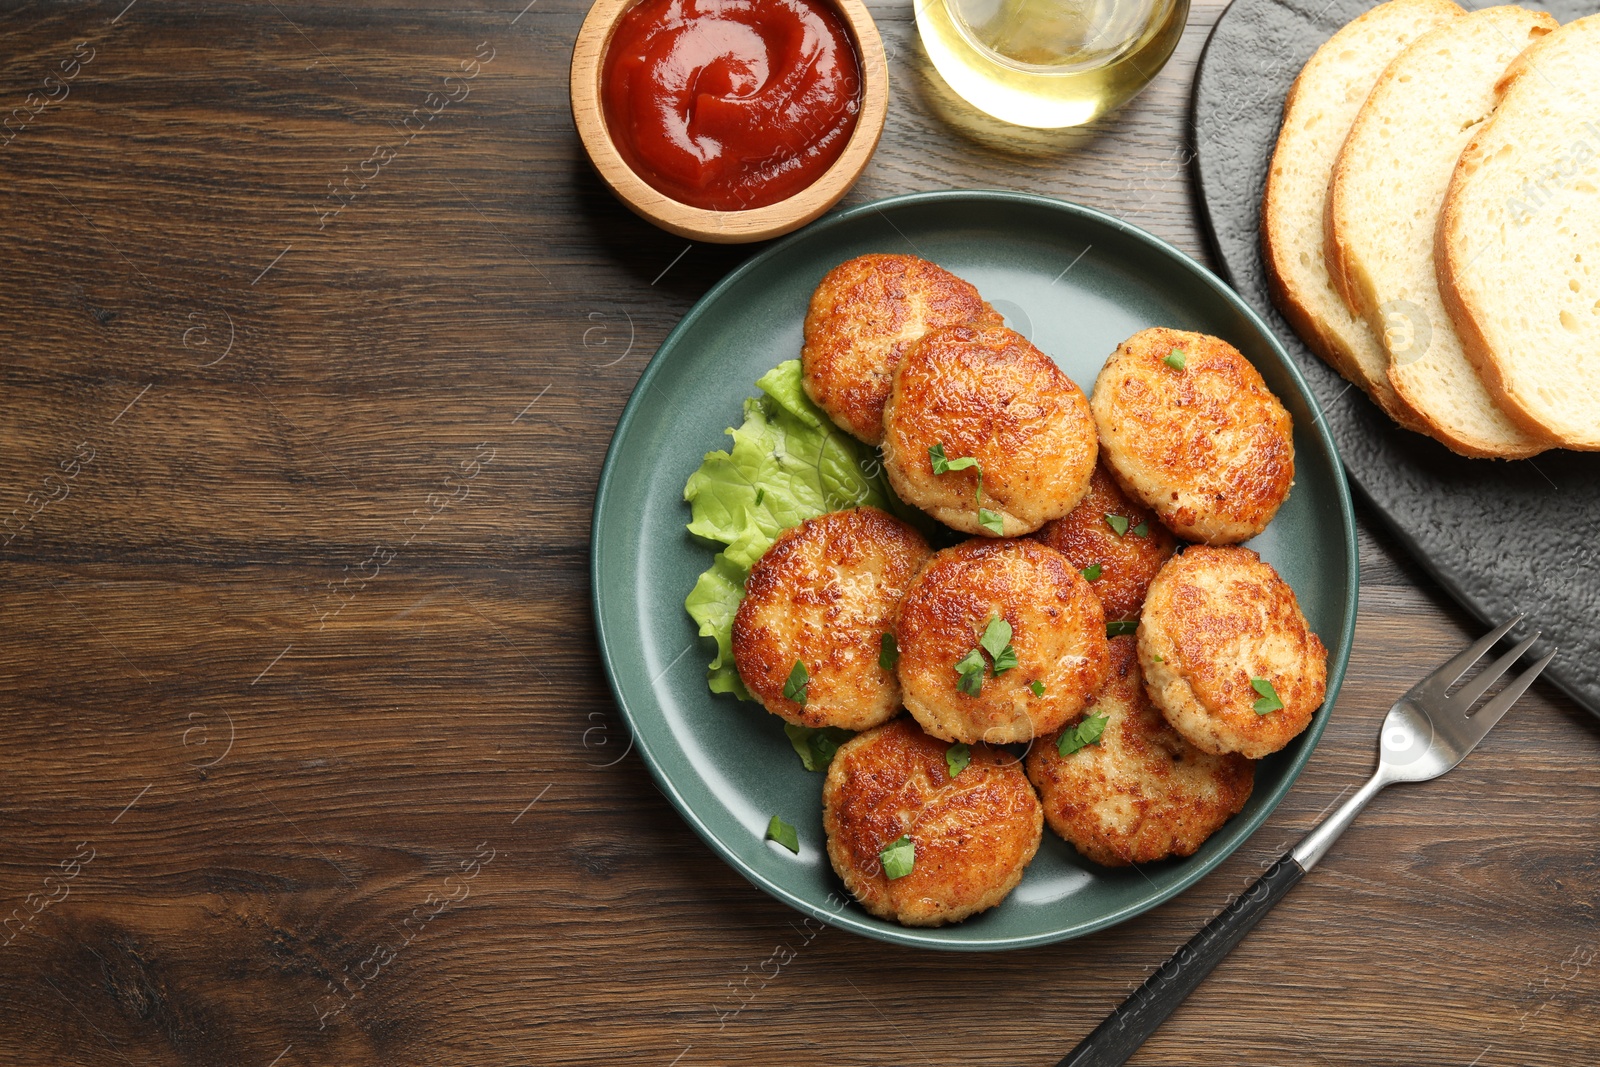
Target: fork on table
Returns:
[[1426, 733]]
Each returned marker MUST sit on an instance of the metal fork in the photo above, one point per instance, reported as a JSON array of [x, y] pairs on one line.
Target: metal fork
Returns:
[[1426, 733]]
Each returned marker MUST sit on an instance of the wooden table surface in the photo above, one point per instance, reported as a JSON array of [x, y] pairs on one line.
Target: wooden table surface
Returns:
[[306, 377]]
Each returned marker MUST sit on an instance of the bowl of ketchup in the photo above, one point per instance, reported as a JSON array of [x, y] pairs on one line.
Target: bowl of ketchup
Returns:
[[729, 120]]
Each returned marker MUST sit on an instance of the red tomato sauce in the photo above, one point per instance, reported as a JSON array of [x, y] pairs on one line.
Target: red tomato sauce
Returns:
[[731, 104]]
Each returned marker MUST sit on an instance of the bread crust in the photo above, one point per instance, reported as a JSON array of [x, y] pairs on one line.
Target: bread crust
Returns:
[[1473, 341], [1277, 252], [1285, 297], [1336, 251], [1346, 268], [1467, 317]]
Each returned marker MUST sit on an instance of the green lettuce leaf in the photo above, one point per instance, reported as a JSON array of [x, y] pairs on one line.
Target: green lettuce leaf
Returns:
[[712, 603], [816, 745], [788, 463]]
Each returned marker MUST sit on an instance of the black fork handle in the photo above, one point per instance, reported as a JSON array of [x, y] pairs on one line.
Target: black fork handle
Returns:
[[1136, 1018]]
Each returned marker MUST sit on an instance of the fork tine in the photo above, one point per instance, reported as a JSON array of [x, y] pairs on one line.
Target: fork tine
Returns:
[[1461, 703], [1484, 718], [1442, 679]]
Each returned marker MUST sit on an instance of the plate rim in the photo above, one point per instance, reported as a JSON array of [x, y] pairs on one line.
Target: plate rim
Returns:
[[928, 937]]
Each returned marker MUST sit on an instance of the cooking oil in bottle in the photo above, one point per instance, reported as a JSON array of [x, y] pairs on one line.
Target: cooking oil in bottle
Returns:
[[1049, 63]]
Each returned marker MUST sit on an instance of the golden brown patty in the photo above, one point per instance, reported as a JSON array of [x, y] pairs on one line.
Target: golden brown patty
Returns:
[[987, 394], [1207, 445], [824, 595], [1141, 793], [1088, 537], [1058, 637], [972, 834], [1216, 620], [862, 318]]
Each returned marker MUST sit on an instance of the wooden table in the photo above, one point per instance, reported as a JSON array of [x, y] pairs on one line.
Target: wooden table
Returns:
[[307, 377]]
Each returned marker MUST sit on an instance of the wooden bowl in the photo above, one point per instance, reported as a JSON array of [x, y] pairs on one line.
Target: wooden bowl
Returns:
[[726, 227]]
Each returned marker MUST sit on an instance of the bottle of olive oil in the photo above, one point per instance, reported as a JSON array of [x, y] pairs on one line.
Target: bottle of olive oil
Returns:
[[1049, 63]]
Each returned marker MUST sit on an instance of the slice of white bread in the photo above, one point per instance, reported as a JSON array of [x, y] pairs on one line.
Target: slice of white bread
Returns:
[[1383, 207], [1518, 248], [1316, 117]]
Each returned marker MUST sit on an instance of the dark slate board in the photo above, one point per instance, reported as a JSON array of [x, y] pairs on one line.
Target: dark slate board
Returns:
[[1500, 537]]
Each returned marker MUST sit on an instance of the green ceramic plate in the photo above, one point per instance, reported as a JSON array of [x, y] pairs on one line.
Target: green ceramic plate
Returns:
[[1074, 281]]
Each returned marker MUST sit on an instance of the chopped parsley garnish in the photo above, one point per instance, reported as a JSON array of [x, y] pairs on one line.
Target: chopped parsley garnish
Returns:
[[1122, 627], [1269, 701], [1118, 523], [795, 688], [1037, 687], [1176, 359], [1092, 572], [761, 494], [1142, 530], [783, 834], [1085, 733], [996, 636], [898, 857], [888, 652], [943, 464], [816, 746], [970, 668], [996, 641], [956, 758]]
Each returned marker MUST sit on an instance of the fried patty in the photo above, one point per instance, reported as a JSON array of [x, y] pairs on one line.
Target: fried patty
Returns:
[[1217, 620], [986, 393], [863, 316], [972, 834], [1088, 537], [824, 595], [1205, 445], [1141, 793], [1057, 636]]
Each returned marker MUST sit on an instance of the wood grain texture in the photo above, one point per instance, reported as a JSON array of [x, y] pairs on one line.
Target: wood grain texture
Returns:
[[309, 757]]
